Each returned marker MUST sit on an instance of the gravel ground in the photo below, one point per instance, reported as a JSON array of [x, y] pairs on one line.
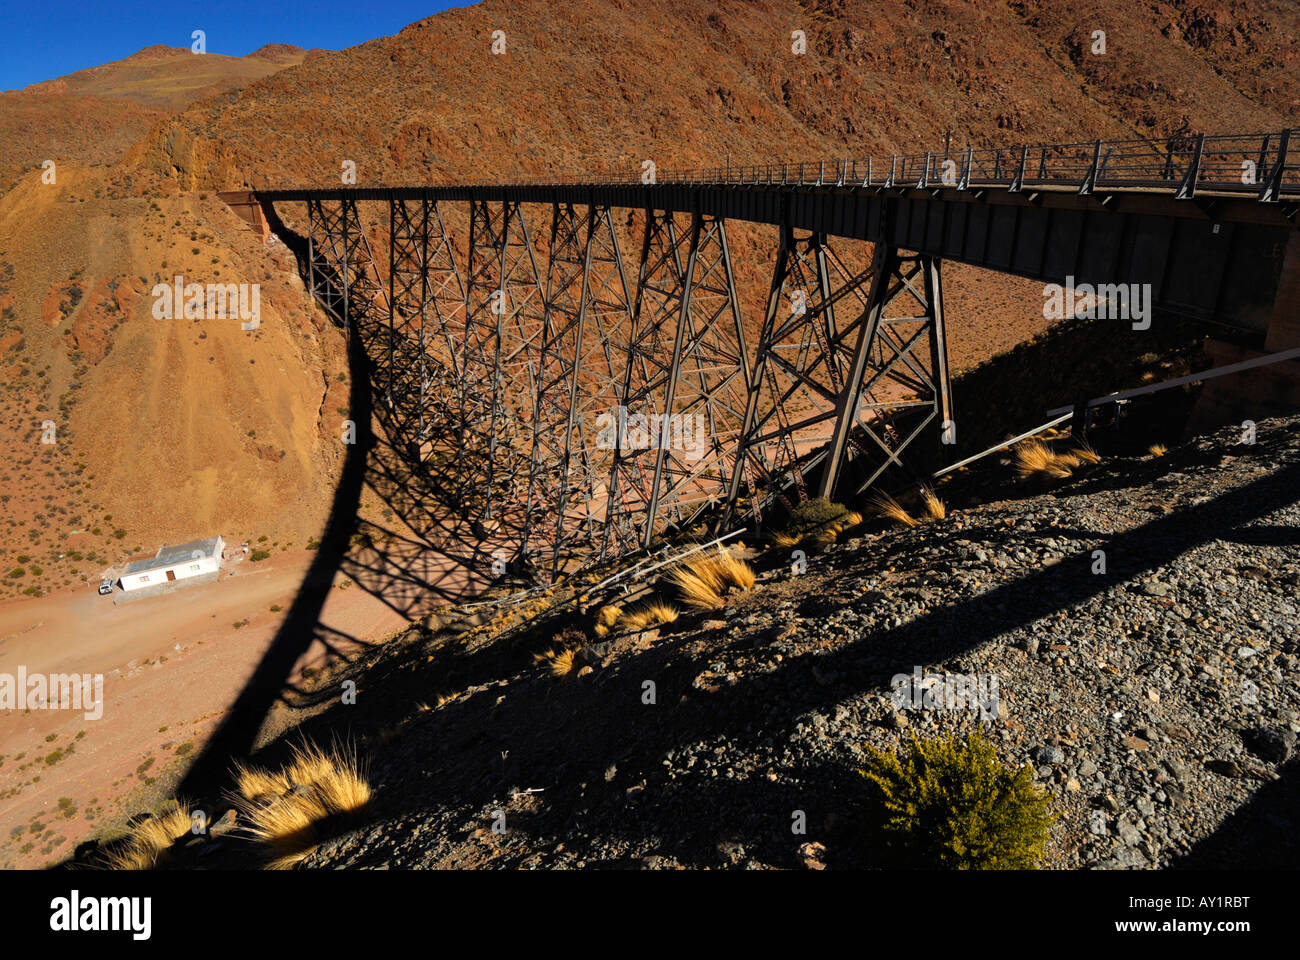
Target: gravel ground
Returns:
[[1156, 699]]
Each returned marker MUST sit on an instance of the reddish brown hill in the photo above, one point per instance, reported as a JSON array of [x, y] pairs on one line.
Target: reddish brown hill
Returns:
[[585, 83], [582, 83], [96, 114], [170, 78]]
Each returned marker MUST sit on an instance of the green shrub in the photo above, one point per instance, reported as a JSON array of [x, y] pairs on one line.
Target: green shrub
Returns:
[[951, 804], [257, 555], [812, 515]]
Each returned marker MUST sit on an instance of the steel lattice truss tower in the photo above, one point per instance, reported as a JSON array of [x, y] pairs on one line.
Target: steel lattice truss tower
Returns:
[[563, 415], [801, 368], [425, 324], [504, 317], [586, 326]]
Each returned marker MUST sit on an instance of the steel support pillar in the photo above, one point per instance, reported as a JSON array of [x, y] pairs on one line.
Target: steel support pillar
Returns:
[[427, 296], [816, 305], [587, 323], [502, 340], [894, 390], [686, 384]]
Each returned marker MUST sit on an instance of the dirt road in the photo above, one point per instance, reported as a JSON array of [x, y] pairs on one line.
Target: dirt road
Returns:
[[170, 664]]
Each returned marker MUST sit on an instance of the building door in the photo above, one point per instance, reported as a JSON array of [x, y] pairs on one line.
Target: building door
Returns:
[[171, 574]]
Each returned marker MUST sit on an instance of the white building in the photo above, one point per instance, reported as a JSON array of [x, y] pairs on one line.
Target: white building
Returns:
[[180, 562]]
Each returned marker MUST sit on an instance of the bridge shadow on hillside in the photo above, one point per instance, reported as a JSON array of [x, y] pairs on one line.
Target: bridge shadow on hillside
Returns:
[[430, 547], [236, 733], [428, 550], [559, 737], [432, 542], [1263, 834]]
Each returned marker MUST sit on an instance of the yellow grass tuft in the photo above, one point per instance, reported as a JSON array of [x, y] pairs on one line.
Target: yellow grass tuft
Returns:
[[252, 782], [1035, 458], [703, 581], [735, 572], [149, 842], [606, 617], [558, 663], [888, 507], [650, 615], [698, 589], [1157, 450], [1085, 454], [785, 540], [325, 792], [935, 508]]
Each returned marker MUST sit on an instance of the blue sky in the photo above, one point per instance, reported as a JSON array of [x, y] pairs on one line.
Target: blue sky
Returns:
[[48, 38]]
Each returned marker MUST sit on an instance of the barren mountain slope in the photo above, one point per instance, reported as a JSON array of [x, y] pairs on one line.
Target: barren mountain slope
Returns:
[[581, 83], [163, 429], [97, 113], [587, 83]]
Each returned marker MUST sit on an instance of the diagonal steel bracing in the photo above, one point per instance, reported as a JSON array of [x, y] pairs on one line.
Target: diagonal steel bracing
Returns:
[[500, 349], [567, 419], [815, 307], [685, 385], [428, 303], [587, 320], [898, 383], [344, 274]]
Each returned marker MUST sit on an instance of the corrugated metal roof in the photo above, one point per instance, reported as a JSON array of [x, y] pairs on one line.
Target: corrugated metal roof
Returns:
[[170, 556]]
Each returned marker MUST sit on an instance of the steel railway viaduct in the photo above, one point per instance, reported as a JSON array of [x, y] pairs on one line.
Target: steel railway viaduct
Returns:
[[575, 410]]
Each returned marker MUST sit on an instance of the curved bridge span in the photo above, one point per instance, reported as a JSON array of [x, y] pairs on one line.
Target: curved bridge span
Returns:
[[568, 401]]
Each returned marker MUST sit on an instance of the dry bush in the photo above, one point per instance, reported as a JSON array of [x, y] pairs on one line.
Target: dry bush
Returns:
[[935, 508], [324, 792], [1157, 449], [886, 506], [817, 521], [148, 844]]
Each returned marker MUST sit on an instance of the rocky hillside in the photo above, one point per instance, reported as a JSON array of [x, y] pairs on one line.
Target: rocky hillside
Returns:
[[581, 84], [94, 115], [1153, 696], [163, 430], [591, 83]]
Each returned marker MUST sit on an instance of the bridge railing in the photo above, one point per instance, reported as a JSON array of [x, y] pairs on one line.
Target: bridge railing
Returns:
[[1266, 165]]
